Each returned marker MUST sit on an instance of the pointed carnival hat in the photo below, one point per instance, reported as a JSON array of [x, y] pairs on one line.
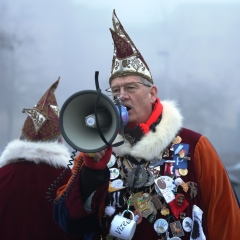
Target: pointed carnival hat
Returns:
[[127, 60], [42, 121]]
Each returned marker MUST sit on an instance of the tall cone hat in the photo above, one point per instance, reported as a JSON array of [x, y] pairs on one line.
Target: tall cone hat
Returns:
[[127, 60], [42, 120]]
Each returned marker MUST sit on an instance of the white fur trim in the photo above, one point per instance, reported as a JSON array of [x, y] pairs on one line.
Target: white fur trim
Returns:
[[53, 153], [150, 146]]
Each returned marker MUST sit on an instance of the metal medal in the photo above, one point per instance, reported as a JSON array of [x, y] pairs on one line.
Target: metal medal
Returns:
[[182, 171], [137, 177]]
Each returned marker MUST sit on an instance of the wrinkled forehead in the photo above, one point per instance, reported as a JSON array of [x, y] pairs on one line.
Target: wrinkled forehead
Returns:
[[120, 81]]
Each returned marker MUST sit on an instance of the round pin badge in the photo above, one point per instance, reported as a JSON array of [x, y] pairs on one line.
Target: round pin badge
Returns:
[[114, 173], [169, 182], [187, 224], [160, 225], [111, 161], [118, 183], [182, 171], [175, 238]]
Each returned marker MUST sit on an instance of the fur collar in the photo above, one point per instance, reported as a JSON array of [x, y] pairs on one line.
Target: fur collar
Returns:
[[150, 146], [53, 153]]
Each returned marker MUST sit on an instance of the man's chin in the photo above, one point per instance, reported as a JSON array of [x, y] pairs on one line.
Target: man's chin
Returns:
[[131, 121]]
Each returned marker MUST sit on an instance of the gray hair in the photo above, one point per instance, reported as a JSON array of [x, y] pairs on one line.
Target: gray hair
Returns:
[[145, 81]]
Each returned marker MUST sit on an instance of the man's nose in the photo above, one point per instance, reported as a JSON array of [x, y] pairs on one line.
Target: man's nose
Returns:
[[122, 93], [123, 96]]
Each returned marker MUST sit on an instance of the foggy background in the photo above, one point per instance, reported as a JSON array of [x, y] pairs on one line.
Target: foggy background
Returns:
[[191, 47]]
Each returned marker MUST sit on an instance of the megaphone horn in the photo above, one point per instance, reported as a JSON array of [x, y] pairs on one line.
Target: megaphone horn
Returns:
[[90, 121]]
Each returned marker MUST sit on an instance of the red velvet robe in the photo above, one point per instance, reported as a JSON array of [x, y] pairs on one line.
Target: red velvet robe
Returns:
[[27, 171]]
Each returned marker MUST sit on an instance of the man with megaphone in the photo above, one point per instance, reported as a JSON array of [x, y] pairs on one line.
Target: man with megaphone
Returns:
[[130, 191]]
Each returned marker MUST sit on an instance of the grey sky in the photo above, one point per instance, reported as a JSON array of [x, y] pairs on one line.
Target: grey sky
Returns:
[[180, 40]]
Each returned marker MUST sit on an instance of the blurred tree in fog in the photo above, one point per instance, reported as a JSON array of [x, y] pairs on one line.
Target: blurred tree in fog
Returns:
[[8, 93], [12, 91]]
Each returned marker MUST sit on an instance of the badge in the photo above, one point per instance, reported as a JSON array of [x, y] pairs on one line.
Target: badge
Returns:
[[168, 170], [111, 161], [165, 211], [150, 180], [160, 225], [193, 189], [175, 238], [114, 173], [182, 171], [151, 209], [151, 218], [177, 140], [137, 177], [115, 185], [160, 183], [169, 182], [118, 183], [166, 185], [180, 153], [187, 224], [176, 229], [156, 201], [139, 202], [184, 186]]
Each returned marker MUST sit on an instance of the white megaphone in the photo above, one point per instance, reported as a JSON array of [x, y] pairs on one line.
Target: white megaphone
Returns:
[[90, 121]]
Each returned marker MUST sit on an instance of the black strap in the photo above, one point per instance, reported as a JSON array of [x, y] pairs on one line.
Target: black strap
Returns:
[[96, 117], [135, 161], [118, 104], [97, 123]]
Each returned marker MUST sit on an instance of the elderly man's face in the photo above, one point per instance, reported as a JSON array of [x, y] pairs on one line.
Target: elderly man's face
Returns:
[[139, 100]]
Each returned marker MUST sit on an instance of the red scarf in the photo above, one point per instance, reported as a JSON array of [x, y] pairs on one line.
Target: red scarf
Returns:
[[157, 110]]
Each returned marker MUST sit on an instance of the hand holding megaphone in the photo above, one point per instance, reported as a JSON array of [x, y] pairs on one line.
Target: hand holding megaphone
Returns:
[[98, 160]]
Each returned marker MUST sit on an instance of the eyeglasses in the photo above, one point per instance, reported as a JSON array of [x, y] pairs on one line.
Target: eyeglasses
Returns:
[[128, 88]]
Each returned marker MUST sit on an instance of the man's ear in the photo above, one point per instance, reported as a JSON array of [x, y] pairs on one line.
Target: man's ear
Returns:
[[153, 93]]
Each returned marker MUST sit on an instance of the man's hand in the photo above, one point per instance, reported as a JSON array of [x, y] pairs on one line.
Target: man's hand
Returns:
[[98, 155], [98, 160]]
